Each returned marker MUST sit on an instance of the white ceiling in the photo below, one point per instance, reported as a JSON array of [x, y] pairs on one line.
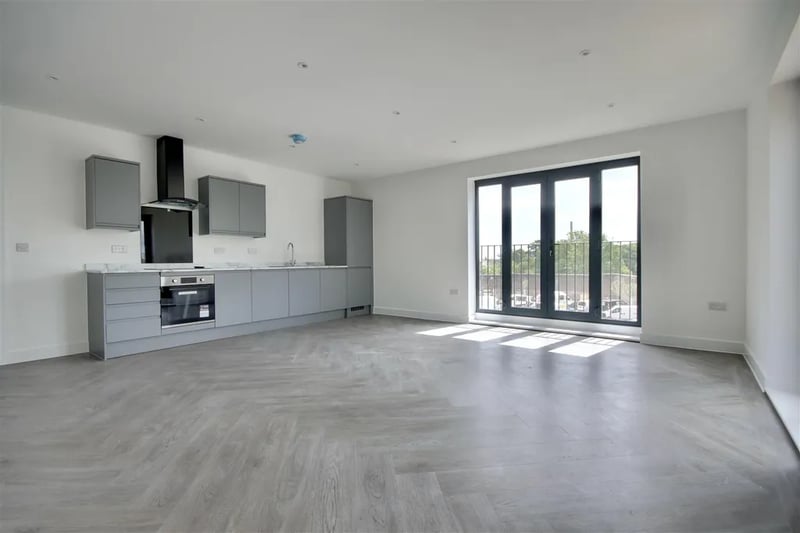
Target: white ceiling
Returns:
[[495, 77]]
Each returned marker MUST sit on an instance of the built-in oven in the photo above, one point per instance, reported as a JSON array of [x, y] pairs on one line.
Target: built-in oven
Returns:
[[186, 299]]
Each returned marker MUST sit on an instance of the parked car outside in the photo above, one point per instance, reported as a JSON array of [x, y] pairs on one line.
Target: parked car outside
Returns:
[[628, 313], [607, 305]]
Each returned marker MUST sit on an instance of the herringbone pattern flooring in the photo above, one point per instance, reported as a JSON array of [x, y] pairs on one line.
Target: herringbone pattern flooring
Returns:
[[366, 425]]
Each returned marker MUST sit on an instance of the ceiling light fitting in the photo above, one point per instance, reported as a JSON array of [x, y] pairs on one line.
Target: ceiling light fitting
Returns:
[[585, 52], [302, 65], [297, 138], [199, 119], [53, 77], [395, 113]]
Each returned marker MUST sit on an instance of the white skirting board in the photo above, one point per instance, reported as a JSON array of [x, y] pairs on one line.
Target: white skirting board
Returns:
[[43, 352], [755, 369], [694, 343], [410, 313]]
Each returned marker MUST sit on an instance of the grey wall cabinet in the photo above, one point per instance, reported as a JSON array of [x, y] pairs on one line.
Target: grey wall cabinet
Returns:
[[232, 207], [232, 298], [359, 286], [333, 288], [252, 210], [270, 294], [112, 193], [304, 292], [348, 231]]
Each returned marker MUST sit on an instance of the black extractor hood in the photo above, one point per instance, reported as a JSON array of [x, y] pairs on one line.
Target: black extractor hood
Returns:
[[169, 176]]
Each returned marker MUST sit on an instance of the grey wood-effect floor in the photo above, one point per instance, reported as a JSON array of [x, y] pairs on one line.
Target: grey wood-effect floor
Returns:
[[367, 425]]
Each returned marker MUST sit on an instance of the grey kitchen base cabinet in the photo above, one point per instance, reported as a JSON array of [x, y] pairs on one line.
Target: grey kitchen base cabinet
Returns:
[[270, 294], [233, 298], [183, 338], [333, 289], [124, 309], [304, 292], [359, 287]]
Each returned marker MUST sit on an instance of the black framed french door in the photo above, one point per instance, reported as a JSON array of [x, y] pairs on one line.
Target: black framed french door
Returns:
[[545, 246]]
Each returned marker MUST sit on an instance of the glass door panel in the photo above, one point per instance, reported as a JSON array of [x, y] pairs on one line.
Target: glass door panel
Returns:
[[490, 247], [526, 247], [571, 245], [561, 243], [620, 257]]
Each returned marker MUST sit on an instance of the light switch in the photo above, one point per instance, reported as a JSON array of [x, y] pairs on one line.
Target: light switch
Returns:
[[219, 250], [23, 247], [119, 249], [252, 251]]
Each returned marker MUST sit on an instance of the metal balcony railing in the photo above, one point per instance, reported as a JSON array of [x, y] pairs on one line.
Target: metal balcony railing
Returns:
[[619, 278]]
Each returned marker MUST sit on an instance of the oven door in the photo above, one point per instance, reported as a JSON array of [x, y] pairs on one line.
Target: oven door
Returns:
[[187, 304]]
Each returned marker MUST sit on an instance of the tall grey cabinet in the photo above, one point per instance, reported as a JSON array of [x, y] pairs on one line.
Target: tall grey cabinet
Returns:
[[112, 193], [348, 241]]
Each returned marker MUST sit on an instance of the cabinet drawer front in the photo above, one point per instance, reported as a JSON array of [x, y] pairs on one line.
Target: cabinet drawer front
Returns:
[[138, 328], [131, 281], [139, 310], [132, 296]]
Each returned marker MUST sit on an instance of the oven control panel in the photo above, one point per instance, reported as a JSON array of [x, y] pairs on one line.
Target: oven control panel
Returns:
[[178, 280]]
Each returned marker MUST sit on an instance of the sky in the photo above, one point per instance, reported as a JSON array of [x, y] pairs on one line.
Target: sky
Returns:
[[620, 202]]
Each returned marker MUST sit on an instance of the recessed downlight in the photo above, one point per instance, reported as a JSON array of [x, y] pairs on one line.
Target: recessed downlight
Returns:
[[199, 119], [53, 77], [395, 112], [302, 65], [453, 141], [585, 52], [611, 105], [356, 164]]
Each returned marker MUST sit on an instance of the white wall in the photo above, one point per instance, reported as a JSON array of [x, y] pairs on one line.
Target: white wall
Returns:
[[758, 241], [773, 337], [44, 205], [2, 235], [693, 228]]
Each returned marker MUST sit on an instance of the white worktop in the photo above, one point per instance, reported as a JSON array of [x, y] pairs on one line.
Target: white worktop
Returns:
[[118, 268]]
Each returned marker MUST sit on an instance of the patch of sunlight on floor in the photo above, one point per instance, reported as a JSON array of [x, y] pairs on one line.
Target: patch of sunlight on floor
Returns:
[[586, 347], [451, 330], [540, 340], [488, 334]]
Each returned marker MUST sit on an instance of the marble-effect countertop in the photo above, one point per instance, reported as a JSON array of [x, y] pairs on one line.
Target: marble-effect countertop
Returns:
[[118, 268]]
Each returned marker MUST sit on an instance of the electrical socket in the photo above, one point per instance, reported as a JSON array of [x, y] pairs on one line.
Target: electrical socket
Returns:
[[23, 247], [119, 249], [453, 292], [219, 250], [717, 306]]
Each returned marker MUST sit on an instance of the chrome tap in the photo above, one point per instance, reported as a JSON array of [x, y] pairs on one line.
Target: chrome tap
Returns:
[[292, 262]]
